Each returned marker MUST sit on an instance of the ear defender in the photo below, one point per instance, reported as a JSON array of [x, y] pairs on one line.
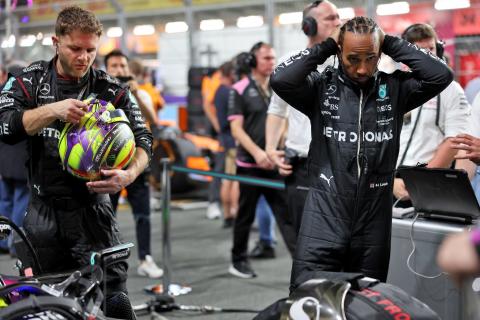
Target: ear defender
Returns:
[[309, 26], [252, 58], [440, 46]]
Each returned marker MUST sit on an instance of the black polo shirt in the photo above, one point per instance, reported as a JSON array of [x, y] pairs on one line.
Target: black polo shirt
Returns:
[[249, 102]]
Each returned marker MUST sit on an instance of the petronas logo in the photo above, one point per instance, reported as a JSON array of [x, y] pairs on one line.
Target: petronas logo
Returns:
[[382, 91]]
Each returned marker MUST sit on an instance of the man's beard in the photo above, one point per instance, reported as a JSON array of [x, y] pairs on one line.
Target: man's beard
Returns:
[[70, 71]]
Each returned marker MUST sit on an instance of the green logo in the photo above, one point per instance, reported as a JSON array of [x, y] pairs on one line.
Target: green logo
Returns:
[[382, 91], [8, 85]]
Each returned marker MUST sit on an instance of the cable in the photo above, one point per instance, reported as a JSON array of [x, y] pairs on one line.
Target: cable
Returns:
[[24, 238], [413, 251], [409, 142], [212, 309], [398, 200], [166, 304]]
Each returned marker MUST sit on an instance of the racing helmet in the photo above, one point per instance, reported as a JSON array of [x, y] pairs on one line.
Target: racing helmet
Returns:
[[101, 140]]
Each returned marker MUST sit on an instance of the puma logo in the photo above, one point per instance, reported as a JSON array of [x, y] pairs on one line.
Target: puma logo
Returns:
[[324, 177], [114, 92], [37, 187], [29, 80]]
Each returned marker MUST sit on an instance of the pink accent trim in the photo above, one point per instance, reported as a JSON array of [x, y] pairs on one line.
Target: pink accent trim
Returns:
[[246, 164], [235, 117], [23, 88], [475, 236], [241, 85]]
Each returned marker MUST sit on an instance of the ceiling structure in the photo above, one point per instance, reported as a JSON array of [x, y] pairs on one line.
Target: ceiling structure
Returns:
[[39, 18], [227, 10]]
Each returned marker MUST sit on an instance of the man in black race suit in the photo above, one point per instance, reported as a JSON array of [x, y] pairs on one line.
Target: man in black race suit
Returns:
[[356, 114], [68, 218]]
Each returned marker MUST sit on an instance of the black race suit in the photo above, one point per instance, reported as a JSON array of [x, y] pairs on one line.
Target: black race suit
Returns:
[[64, 222], [346, 222]]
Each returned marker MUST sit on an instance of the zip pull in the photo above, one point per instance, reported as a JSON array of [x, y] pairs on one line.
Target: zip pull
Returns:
[[364, 163], [359, 134]]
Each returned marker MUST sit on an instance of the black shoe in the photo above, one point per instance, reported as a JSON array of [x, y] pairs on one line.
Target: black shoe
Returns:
[[262, 251], [242, 269], [228, 223], [4, 251]]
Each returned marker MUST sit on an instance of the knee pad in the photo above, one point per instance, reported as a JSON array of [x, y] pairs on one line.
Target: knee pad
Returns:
[[118, 306]]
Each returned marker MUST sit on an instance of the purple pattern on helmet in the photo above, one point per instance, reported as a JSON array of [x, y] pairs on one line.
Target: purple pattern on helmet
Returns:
[[79, 135]]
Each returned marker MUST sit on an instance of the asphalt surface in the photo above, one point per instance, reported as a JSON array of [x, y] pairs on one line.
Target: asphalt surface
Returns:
[[200, 259]]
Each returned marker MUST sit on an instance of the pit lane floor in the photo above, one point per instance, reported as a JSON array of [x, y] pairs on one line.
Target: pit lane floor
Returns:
[[200, 259]]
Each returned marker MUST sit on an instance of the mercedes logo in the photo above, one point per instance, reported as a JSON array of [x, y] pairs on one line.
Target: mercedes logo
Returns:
[[44, 89], [331, 89]]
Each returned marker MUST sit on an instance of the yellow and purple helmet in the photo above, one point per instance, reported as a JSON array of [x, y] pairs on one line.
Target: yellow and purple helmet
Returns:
[[101, 140]]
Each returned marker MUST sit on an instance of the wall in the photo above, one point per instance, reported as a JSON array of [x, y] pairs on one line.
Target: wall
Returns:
[[173, 53]]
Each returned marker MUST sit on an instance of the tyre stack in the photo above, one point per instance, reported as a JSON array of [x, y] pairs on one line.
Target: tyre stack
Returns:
[[197, 121]]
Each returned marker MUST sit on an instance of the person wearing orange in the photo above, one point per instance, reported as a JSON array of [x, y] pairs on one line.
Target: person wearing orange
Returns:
[[144, 83], [210, 84]]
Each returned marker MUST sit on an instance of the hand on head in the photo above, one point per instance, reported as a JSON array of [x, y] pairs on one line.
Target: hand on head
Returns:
[[336, 33], [381, 37]]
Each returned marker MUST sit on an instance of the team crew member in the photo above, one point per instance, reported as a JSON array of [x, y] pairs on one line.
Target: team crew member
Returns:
[[467, 145], [14, 191], [247, 113], [459, 255], [427, 131], [229, 191], [356, 114], [68, 218], [320, 18], [138, 192]]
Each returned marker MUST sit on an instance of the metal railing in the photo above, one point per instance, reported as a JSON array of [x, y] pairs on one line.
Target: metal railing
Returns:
[[166, 197]]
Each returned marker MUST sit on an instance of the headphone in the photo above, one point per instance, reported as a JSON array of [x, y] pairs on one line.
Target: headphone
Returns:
[[439, 44], [251, 59], [309, 24], [241, 64]]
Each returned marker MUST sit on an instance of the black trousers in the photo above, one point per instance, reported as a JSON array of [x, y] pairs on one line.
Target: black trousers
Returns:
[[65, 232], [249, 195], [297, 189], [215, 184], [336, 236], [138, 195]]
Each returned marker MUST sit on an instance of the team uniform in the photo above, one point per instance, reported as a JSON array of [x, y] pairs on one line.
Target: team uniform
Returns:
[[64, 221], [428, 126], [250, 104], [346, 224], [298, 140]]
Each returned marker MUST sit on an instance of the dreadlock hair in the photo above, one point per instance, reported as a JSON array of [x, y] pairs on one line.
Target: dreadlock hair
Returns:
[[357, 25]]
